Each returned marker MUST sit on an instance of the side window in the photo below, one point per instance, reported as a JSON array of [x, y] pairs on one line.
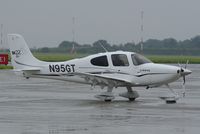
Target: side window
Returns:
[[119, 60], [100, 61]]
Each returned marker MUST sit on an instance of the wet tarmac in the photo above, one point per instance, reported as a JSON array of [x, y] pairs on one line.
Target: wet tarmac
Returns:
[[40, 106]]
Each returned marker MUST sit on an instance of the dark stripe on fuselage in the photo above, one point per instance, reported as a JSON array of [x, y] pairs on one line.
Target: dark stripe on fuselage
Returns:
[[107, 73], [54, 74], [141, 75], [101, 73], [25, 64], [151, 74]]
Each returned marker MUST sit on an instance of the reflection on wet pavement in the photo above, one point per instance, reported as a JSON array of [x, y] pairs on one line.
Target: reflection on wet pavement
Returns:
[[39, 106]]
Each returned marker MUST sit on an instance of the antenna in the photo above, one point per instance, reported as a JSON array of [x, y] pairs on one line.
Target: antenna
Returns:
[[142, 30], [103, 47], [73, 35], [73, 30], [2, 35]]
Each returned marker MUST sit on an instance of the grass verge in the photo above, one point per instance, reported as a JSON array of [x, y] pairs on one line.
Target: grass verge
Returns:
[[56, 57], [174, 59], [5, 67]]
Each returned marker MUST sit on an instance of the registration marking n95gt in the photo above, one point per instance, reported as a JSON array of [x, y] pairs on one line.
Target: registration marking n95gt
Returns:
[[62, 68]]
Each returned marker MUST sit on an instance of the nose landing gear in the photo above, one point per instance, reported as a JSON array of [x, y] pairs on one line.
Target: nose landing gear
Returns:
[[170, 99]]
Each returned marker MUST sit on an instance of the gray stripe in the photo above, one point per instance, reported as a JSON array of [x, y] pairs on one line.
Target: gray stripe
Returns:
[[25, 64], [151, 74]]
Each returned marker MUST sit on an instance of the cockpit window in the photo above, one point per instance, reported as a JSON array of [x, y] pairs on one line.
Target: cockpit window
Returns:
[[100, 61], [119, 60], [139, 59]]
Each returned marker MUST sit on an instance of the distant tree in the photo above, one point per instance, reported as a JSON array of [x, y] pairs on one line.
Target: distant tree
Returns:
[[130, 46], [65, 44], [153, 43], [195, 42], [185, 43], [45, 50], [68, 44], [169, 43], [151, 46], [98, 45]]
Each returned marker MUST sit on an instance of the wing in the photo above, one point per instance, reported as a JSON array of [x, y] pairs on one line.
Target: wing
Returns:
[[28, 69], [111, 80]]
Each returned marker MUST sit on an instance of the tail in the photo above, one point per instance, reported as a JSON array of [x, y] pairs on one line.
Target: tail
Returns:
[[21, 56]]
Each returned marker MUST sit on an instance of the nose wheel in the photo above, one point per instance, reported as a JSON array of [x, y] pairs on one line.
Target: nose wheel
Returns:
[[170, 99]]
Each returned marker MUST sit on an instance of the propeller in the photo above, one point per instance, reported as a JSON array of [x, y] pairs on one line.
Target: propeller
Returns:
[[183, 75]]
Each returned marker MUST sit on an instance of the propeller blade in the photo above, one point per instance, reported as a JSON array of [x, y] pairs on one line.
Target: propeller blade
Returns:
[[184, 80], [184, 90], [186, 64], [179, 64], [183, 86]]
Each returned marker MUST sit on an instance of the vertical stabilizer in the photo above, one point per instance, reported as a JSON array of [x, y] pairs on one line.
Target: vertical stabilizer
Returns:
[[21, 56]]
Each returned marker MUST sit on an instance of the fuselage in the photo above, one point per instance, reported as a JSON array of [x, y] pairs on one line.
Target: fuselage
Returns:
[[128, 65]]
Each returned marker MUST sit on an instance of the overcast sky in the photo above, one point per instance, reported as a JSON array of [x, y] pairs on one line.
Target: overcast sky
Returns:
[[49, 22]]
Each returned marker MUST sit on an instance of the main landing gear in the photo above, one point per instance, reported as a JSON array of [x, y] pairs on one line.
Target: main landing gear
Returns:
[[130, 94], [106, 96], [109, 96]]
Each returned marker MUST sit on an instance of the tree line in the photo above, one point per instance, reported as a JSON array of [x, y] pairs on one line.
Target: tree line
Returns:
[[169, 46]]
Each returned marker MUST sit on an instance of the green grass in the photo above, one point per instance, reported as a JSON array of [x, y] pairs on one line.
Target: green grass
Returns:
[[174, 59], [51, 57], [5, 67], [55, 57]]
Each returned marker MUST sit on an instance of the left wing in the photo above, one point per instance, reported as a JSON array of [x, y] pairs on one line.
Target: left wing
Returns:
[[114, 80]]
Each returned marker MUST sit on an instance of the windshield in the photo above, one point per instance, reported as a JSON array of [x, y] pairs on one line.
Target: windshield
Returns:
[[139, 59]]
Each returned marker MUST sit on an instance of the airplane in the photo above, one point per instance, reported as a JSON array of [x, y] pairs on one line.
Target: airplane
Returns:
[[108, 69]]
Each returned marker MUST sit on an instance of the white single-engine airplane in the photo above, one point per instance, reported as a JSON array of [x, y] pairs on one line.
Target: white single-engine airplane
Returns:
[[109, 69]]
